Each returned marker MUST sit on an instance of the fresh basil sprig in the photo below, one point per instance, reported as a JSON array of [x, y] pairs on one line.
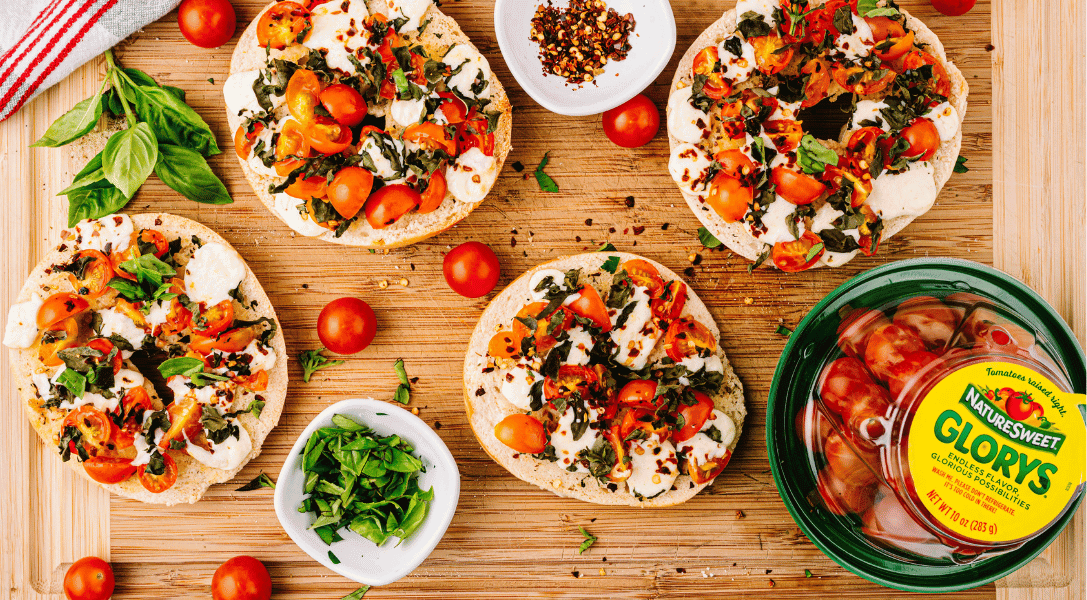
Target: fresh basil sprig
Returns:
[[164, 135]]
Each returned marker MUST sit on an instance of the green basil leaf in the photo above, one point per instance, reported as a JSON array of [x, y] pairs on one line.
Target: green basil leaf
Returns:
[[75, 381], [398, 366], [173, 121], [180, 365], [73, 124], [357, 594], [92, 176], [94, 203], [708, 239], [187, 173], [546, 183], [611, 264], [260, 481], [960, 165], [130, 157], [139, 77]]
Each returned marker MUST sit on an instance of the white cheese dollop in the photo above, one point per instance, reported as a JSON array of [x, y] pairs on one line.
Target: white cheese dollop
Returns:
[[566, 447], [945, 118], [857, 44], [124, 380], [868, 110], [776, 220], [21, 329], [115, 322], [685, 122], [824, 217], [689, 167], [240, 98], [214, 271], [412, 10], [114, 231], [287, 209], [910, 193], [694, 364], [581, 343], [784, 111], [228, 455], [407, 112], [254, 161], [654, 467], [471, 65], [557, 278], [836, 259], [517, 384], [338, 31], [762, 7], [638, 335], [471, 176], [737, 69], [264, 358], [384, 168]]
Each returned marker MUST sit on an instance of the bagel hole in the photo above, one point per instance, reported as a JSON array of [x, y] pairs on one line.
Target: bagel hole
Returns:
[[826, 119]]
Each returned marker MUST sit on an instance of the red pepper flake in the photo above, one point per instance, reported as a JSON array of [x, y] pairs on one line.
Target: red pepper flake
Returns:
[[630, 201], [577, 41], [639, 229]]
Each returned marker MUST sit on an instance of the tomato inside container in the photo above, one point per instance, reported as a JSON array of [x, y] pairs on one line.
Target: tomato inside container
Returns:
[[942, 429]]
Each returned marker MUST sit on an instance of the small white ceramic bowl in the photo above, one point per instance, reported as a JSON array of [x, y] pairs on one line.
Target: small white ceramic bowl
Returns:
[[651, 45], [360, 559]]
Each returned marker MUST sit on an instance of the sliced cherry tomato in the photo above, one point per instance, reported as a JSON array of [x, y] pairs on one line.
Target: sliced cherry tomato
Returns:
[[434, 194], [305, 188], [857, 79], [60, 306], [771, 53], [892, 40], [184, 421], [818, 85], [232, 340], [729, 197], [668, 306], [153, 237], [133, 405], [798, 255], [633, 123], [344, 103], [631, 419], [854, 466], [282, 25], [523, 433], [216, 318], [504, 344], [933, 321], [785, 133], [644, 274], [705, 472], [326, 136], [346, 325], [388, 204], [694, 416], [544, 341], [735, 163], [245, 138], [940, 83], [621, 471], [291, 147], [254, 382], [843, 380], [642, 394], [589, 305], [471, 269], [569, 380], [841, 498], [472, 133], [923, 137], [797, 188], [105, 346], [707, 62], [431, 136], [241, 578], [57, 337], [207, 23], [687, 337], [94, 274], [888, 347], [156, 484], [109, 469], [95, 428], [349, 190], [857, 328], [89, 578], [452, 108]]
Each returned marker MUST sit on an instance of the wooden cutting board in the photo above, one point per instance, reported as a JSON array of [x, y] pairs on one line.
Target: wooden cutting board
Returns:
[[509, 539]]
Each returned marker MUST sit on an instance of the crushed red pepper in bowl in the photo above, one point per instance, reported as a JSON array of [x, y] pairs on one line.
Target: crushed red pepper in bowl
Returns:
[[576, 42]]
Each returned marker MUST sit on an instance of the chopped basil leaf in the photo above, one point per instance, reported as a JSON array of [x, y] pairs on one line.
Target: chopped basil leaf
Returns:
[[589, 540], [313, 361], [260, 481], [708, 239], [543, 179]]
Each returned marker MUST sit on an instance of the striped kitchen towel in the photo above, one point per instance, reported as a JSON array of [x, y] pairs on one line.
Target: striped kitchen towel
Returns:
[[42, 41]]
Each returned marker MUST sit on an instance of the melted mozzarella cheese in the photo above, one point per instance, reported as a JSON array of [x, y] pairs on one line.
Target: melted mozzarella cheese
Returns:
[[21, 329], [557, 278], [338, 32], [581, 343], [264, 358], [737, 69], [638, 335], [42, 383], [240, 98], [254, 161], [686, 122], [868, 110], [407, 112], [825, 217], [762, 7], [945, 118], [213, 273], [218, 393], [654, 467], [118, 323], [112, 231], [784, 111], [517, 386], [143, 448], [472, 65], [124, 380], [694, 364], [412, 10], [287, 208], [776, 220], [228, 455], [159, 314], [857, 44], [471, 176], [566, 447], [384, 168], [910, 193], [836, 259], [689, 166]]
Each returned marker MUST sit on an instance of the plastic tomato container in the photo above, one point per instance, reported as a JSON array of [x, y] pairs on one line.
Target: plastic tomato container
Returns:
[[939, 408]]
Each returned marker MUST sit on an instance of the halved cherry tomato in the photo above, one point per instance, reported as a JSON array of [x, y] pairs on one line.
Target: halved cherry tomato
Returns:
[[889, 346], [303, 90], [291, 147], [109, 469], [851, 465], [705, 63], [216, 318], [544, 341], [771, 53], [135, 402], [569, 380], [233, 340], [735, 163], [453, 108], [245, 139], [856, 329], [589, 305], [388, 204], [694, 416], [434, 194], [184, 421], [431, 136], [472, 133], [797, 188], [933, 321], [841, 498], [156, 484], [504, 344], [254, 382], [57, 337], [729, 197], [687, 337], [862, 81], [668, 306], [94, 426], [60, 306], [621, 471], [643, 274], [798, 255], [923, 137], [705, 472], [903, 372], [282, 25], [305, 188], [349, 190], [155, 238], [95, 273], [630, 419], [641, 393], [105, 346], [841, 381], [940, 84], [344, 103], [892, 40], [523, 433], [327, 136], [818, 84]]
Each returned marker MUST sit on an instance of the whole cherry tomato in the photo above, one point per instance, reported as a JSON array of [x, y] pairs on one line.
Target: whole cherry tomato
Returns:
[[346, 325], [857, 328], [923, 138], [207, 23], [521, 432], [842, 498], [933, 321], [471, 269], [89, 578], [954, 8], [241, 578], [854, 466], [633, 123]]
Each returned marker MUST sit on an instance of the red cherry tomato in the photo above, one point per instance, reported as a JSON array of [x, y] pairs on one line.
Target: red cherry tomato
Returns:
[[471, 269], [327, 136], [185, 422], [687, 337], [94, 426], [305, 188], [892, 40], [857, 328], [521, 432], [216, 318], [867, 414], [729, 197], [47, 350], [431, 136], [954, 8], [156, 484], [281, 25], [841, 381], [640, 393], [95, 274], [771, 53], [109, 469], [58, 307], [105, 346], [346, 325], [135, 402], [923, 138], [889, 522], [385, 206], [303, 90], [89, 578], [569, 380], [472, 133], [644, 274], [818, 85], [434, 194], [633, 123], [291, 147], [861, 81], [798, 255], [706, 63], [900, 374], [933, 321], [694, 416], [796, 187], [708, 471], [231, 340], [940, 83], [344, 103], [889, 346], [812, 427], [206, 23], [841, 498], [244, 139], [668, 306], [349, 190], [853, 466], [241, 578], [589, 305]]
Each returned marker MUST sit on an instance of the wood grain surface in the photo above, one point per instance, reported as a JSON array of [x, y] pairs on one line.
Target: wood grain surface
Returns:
[[509, 539]]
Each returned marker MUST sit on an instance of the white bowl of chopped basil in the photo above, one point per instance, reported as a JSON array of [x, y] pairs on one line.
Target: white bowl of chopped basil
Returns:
[[368, 490]]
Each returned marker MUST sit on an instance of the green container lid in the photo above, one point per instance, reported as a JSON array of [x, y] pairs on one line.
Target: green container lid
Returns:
[[808, 349]]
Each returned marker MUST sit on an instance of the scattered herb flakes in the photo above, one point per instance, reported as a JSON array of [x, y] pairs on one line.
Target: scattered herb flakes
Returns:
[[357, 594], [611, 264], [590, 539], [313, 361], [546, 183], [708, 239], [211, 80], [403, 391], [960, 165], [784, 331], [335, 559], [807, 573], [260, 481], [606, 247]]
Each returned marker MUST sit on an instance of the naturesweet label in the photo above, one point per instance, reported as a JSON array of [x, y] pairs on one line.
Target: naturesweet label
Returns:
[[996, 451]]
